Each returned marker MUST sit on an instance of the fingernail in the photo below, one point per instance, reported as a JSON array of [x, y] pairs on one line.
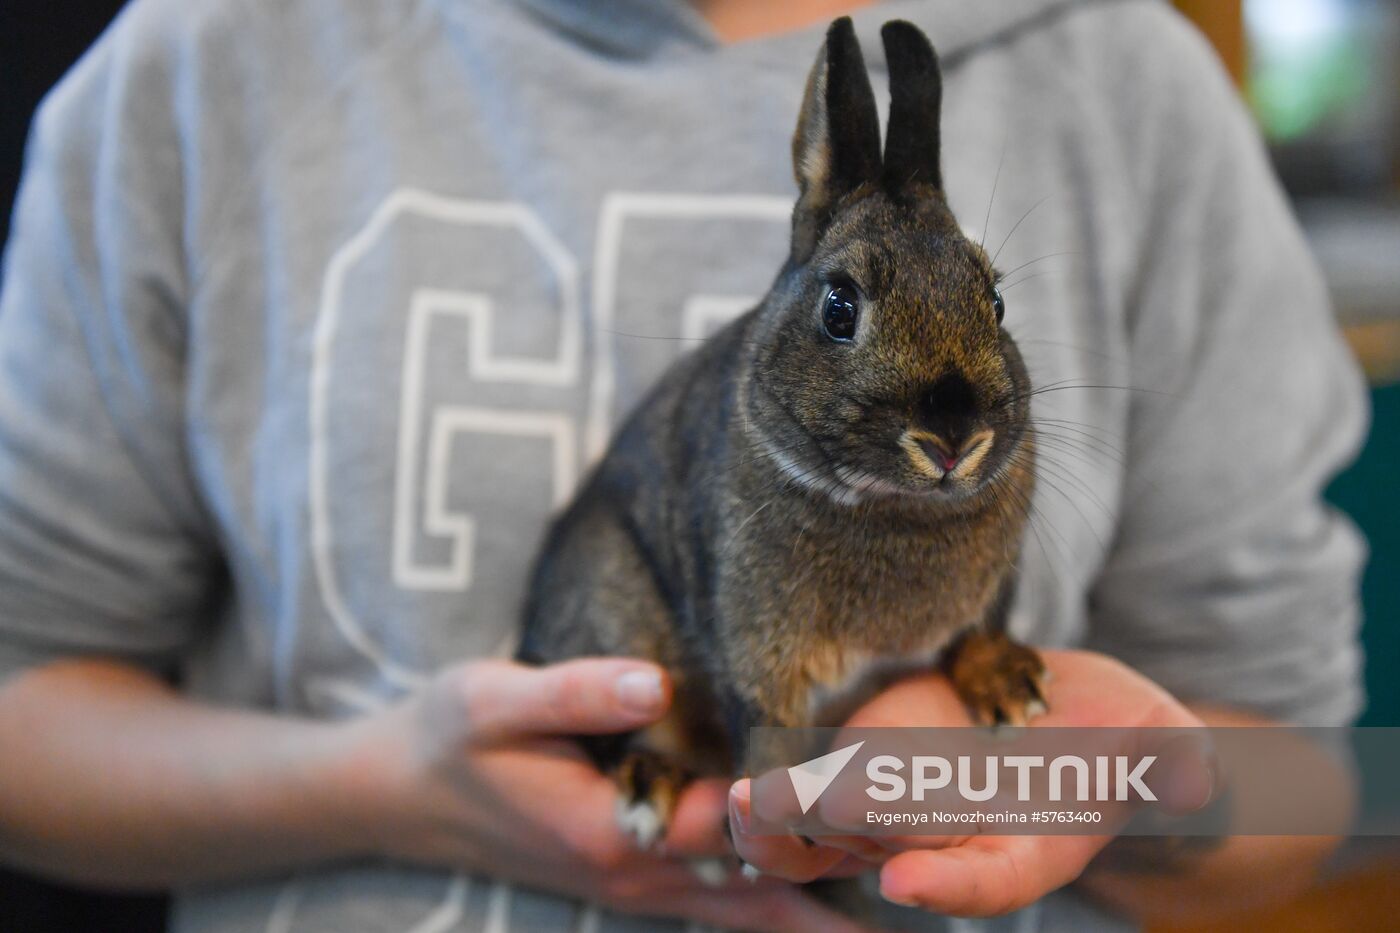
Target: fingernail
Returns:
[[902, 901], [739, 806], [1212, 778], [640, 692], [1191, 774]]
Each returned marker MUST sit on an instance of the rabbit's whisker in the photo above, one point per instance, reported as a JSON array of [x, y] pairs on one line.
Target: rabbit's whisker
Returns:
[[1058, 446], [1104, 386], [1009, 273], [987, 221], [1024, 342], [623, 333], [1033, 518], [1025, 278], [1079, 445], [1058, 540], [1016, 226], [1062, 385], [1058, 472], [754, 453], [1087, 427], [1071, 432]]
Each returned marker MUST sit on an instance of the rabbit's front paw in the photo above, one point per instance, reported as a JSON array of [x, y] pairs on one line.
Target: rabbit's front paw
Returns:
[[1001, 682], [650, 785]]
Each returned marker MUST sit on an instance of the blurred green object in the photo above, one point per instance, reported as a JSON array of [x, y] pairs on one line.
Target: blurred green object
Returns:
[[1310, 63], [1370, 493], [1292, 98]]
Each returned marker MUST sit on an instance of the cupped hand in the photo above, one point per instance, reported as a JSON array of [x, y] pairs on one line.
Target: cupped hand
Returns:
[[473, 773], [979, 875]]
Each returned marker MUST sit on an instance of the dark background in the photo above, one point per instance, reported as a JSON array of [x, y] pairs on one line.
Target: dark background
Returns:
[[36, 48], [37, 44]]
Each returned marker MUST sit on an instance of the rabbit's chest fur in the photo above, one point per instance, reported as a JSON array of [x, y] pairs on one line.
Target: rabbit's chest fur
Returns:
[[817, 601]]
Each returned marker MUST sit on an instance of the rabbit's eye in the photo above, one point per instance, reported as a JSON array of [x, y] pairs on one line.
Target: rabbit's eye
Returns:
[[998, 304], [840, 313]]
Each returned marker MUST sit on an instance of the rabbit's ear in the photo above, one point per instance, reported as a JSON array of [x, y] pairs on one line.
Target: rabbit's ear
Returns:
[[916, 98], [837, 145]]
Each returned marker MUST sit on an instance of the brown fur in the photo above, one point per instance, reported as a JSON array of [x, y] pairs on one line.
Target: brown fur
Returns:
[[771, 524]]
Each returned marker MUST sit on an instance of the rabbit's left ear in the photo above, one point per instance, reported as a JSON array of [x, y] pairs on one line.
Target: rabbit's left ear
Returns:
[[836, 148], [912, 139]]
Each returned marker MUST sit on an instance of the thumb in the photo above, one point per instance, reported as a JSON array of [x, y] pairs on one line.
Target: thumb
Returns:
[[500, 700]]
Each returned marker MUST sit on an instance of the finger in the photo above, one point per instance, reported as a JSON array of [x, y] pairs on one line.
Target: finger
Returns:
[[905, 843], [1188, 769], [988, 876], [870, 849], [498, 700], [850, 867], [777, 805], [579, 818], [786, 857], [699, 825], [844, 807]]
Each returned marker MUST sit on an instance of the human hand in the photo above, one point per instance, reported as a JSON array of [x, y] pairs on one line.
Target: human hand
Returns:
[[980, 875], [472, 774]]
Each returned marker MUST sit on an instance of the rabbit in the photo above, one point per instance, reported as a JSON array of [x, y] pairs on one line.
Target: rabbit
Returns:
[[828, 492]]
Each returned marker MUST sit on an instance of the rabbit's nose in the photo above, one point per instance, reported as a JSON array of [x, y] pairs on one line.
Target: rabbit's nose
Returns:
[[947, 408], [938, 451]]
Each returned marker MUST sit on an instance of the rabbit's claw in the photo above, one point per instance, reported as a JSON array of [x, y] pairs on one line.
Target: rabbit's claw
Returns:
[[649, 786], [1002, 682]]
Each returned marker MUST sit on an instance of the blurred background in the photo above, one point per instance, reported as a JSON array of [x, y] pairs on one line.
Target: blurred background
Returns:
[[1323, 79]]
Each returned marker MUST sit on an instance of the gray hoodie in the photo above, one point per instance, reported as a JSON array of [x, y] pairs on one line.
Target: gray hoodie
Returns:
[[314, 311]]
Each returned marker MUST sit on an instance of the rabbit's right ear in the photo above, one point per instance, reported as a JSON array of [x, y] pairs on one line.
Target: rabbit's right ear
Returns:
[[836, 148]]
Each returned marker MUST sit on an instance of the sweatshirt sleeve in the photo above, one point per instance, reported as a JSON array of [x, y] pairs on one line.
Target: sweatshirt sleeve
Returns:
[[1231, 579], [104, 547]]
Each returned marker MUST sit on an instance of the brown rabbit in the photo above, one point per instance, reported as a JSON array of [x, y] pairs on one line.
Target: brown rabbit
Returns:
[[830, 490]]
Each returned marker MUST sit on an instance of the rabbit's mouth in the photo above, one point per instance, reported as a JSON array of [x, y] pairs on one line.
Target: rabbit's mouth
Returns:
[[933, 468], [940, 461]]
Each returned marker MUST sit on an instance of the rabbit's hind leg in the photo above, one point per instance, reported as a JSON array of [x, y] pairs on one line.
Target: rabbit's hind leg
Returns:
[[649, 784], [595, 594], [655, 764]]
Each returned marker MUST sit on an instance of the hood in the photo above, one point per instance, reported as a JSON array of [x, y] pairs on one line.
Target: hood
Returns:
[[643, 28]]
